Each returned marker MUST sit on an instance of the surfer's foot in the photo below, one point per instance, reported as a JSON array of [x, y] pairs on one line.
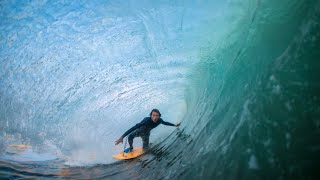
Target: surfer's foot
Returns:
[[129, 149]]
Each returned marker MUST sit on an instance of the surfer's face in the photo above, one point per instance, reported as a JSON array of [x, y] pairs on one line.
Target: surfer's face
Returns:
[[155, 116]]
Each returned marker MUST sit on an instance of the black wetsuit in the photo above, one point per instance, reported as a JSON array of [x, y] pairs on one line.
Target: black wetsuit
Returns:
[[143, 129]]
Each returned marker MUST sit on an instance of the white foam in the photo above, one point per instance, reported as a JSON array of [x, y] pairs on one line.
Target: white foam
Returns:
[[244, 114], [276, 89], [20, 152], [288, 106], [253, 162]]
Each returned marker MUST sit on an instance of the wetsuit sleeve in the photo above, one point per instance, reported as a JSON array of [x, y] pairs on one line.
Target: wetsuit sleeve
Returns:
[[167, 123], [134, 128]]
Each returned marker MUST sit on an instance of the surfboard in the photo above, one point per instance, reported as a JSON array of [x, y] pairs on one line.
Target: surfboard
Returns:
[[130, 155]]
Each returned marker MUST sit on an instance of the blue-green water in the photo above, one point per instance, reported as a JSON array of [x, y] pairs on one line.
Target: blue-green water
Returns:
[[241, 76]]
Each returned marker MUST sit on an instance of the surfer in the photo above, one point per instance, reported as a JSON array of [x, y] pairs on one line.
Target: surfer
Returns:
[[143, 129]]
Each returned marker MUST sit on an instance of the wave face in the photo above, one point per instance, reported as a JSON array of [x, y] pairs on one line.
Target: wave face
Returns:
[[241, 76]]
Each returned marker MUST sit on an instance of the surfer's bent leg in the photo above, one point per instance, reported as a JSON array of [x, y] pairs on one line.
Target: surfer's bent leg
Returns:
[[131, 137], [130, 140], [145, 140]]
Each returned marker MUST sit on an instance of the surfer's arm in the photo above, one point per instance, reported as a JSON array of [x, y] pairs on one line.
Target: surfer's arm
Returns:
[[169, 124], [133, 128]]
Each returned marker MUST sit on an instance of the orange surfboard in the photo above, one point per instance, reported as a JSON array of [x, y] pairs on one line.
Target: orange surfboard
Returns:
[[133, 154]]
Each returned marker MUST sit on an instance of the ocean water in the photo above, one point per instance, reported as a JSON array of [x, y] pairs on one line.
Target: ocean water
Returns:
[[241, 76]]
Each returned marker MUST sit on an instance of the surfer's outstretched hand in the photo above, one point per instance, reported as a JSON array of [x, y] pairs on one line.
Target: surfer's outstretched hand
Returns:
[[178, 124], [120, 140]]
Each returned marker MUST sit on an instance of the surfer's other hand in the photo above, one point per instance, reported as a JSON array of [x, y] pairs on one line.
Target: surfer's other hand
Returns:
[[120, 140], [178, 124]]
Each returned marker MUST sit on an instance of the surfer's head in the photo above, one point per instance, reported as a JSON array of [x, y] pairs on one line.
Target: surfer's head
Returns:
[[155, 115]]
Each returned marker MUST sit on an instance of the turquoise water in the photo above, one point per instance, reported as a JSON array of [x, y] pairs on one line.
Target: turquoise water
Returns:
[[241, 76]]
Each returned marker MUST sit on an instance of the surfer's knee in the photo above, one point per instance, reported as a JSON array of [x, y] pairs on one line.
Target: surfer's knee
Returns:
[[132, 135]]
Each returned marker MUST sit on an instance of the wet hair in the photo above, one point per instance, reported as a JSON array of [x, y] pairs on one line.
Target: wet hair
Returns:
[[155, 110]]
